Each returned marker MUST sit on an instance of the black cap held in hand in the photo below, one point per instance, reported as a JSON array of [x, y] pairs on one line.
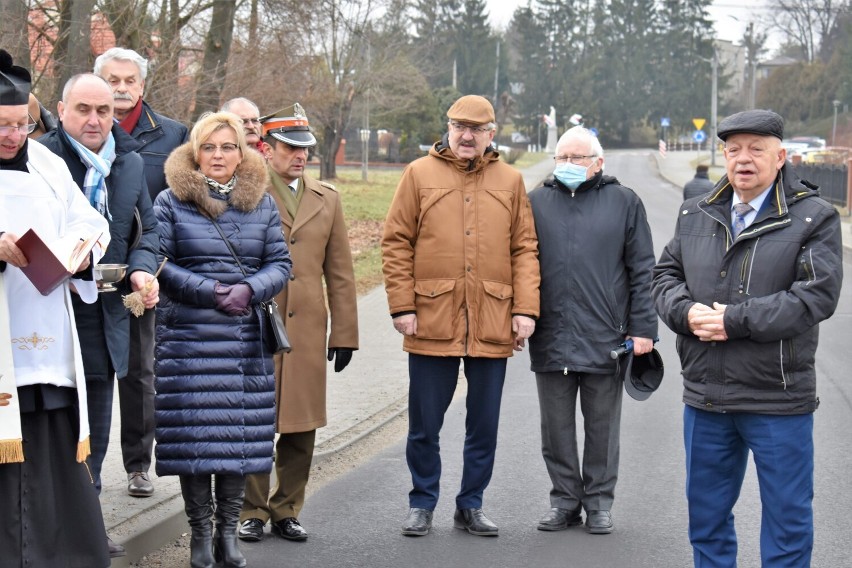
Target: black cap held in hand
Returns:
[[14, 82], [643, 375], [758, 121]]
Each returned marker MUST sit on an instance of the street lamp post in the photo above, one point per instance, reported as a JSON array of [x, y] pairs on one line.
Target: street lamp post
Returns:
[[365, 151], [836, 104], [714, 95]]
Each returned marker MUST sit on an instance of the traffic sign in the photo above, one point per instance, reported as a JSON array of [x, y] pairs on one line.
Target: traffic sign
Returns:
[[699, 136], [665, 122], [699, 123]]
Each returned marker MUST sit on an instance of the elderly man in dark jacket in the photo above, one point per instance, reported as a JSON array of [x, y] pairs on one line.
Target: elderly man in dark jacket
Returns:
[[752, 269], [155, 136], [596, 257], [102, 162]]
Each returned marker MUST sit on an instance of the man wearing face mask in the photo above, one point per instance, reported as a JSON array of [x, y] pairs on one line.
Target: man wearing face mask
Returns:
[[596, 259]]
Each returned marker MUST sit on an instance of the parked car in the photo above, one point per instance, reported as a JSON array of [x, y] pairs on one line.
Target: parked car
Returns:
[[794, 148], [837, 155], [810, 141]]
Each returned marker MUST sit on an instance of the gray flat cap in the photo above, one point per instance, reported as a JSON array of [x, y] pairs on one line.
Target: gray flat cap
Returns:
[[758, 121]]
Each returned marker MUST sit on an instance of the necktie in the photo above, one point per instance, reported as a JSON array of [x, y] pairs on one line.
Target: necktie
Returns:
[[740, 211]]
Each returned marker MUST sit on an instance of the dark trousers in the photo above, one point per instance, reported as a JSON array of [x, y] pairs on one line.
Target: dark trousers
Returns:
[[99, 399], [51, 513], [600, 402], [432, 382], [717, 447], [293, 454], [136, 396]]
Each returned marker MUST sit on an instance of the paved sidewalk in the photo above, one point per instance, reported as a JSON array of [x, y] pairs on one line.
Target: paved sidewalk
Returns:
[[370, 391]]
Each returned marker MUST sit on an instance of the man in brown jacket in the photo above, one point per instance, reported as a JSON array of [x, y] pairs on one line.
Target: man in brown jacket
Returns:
[[313, 225], [462, 277]]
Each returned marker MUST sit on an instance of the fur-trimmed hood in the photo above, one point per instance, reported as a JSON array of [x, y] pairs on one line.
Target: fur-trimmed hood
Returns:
[[187, 183]]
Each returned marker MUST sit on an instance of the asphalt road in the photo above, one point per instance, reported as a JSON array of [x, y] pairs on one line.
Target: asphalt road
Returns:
[[355, 520]]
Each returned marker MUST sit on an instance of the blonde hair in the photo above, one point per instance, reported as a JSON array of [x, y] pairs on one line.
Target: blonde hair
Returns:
[[209, 123]]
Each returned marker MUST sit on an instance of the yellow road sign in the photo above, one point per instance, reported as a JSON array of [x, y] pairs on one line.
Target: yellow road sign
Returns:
[[698, 122]]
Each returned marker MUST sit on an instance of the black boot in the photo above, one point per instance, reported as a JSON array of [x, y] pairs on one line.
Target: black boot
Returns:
[[198, 502], [230, 490]]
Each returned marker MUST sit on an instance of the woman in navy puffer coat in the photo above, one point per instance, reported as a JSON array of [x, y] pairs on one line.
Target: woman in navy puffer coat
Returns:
[[215, 401]]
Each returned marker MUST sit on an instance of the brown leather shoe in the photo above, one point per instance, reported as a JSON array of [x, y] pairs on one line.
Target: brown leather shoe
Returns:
[[475, 522], [139, 484]]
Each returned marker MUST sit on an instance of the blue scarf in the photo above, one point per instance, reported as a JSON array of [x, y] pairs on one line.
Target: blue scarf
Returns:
[[97, 169]]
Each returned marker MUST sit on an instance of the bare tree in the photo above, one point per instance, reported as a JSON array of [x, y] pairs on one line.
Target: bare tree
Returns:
[[217, 46], [806, 23], [155, 29], [72, 53], [13, 30]]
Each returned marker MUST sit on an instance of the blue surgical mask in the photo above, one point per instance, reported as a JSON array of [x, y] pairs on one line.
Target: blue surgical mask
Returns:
[[571, 175]]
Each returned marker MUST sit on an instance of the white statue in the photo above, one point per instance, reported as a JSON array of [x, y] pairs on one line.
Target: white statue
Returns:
[[551, 131]]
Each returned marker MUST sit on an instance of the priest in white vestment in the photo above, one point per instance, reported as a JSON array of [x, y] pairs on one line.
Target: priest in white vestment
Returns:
[[52, 516]]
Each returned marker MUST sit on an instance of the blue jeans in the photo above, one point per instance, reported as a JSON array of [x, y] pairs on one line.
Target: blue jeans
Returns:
[[432, 384], [717, 447]]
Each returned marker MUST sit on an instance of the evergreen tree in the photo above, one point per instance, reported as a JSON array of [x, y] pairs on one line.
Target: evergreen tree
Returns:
[[623, 72], [683, 63]]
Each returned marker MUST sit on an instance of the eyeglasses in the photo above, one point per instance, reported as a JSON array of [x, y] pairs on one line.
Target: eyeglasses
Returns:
[[459, 128], [227, 148], [576, 160], [251, 121], [23, 129]]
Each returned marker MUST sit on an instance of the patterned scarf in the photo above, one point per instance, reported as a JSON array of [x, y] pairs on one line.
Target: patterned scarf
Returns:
[[221, 188], [97, 170]]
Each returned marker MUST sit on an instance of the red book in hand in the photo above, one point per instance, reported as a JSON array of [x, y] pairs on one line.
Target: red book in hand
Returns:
[[49, 265]]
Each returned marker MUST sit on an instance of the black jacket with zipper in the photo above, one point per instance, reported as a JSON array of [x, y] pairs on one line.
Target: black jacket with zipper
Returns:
[[596, 258], [779, 279]]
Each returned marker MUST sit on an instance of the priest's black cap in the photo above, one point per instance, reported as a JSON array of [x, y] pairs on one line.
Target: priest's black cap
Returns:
[[757, 121], [14, 82]]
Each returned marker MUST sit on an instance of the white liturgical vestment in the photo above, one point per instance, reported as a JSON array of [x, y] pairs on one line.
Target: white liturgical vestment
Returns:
[[38, 332]]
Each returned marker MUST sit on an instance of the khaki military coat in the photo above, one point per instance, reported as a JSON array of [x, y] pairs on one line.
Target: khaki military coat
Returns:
[[459, 250], [319, 248]]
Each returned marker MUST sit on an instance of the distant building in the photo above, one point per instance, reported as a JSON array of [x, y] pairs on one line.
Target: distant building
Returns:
[[733, 64]]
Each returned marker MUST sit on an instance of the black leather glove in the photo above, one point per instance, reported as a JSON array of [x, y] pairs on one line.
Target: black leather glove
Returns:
[[341, 357], [233, 300]]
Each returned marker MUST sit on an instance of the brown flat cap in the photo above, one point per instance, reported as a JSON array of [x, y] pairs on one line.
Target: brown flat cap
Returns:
[[757, 121], [473, 109]]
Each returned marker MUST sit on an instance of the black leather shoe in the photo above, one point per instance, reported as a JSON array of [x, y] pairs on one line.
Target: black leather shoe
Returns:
[[475, 522], [251, 530], [418, 522], [290, 529], [557, 519], [598, 522], [139, 484], [115, 549]]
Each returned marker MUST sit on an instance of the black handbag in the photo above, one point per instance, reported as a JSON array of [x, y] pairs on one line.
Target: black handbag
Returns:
[[276, 333], [272, 329]]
